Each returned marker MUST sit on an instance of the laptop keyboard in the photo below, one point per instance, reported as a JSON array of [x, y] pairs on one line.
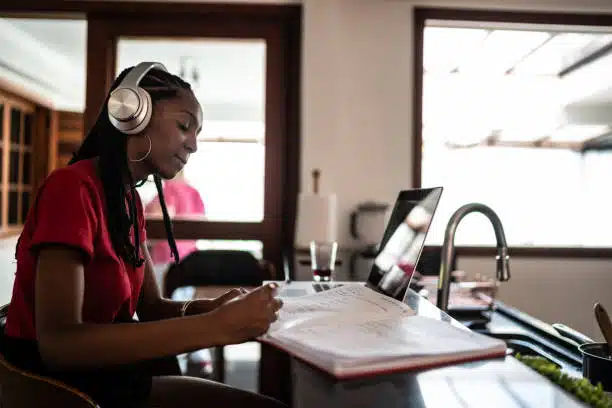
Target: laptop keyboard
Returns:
[[320, 287]]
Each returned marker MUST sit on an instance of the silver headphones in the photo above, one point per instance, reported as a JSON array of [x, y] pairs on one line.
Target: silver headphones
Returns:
[[129, 105]]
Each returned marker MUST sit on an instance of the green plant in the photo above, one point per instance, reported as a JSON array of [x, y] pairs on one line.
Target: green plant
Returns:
[[579, 387]]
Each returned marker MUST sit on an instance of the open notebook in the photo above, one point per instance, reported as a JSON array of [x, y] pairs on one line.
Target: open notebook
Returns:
[[352, 331]]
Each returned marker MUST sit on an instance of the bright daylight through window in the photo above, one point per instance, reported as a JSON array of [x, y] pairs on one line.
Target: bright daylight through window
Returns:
[[513, 119]]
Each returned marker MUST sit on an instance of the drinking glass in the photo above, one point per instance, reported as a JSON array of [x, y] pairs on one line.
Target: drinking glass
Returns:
[[323, 260]]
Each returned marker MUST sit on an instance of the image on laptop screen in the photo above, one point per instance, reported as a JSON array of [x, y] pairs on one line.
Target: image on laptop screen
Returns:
[[403, 241]]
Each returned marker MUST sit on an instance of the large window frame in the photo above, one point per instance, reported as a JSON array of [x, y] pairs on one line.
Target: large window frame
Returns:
[[421, 15]]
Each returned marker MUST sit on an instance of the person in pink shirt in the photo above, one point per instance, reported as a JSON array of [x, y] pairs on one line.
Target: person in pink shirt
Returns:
[[182, 201]]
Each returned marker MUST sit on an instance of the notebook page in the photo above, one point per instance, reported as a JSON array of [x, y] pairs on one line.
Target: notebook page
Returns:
[[341, 304], [389, 337]]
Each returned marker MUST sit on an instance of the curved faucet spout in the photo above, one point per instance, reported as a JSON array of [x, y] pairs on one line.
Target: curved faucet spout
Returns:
[[448, 249]]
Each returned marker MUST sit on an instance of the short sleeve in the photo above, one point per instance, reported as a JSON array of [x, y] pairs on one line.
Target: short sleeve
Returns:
[[65, 213]]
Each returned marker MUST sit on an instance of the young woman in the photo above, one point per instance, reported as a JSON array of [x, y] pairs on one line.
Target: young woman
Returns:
[[83, 271]]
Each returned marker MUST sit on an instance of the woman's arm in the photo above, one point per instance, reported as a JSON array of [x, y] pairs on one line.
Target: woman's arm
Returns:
[[153, 306], [66, 342]]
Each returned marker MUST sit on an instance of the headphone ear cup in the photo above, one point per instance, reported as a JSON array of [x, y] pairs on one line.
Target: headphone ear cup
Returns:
[[141, 121], [129, 106], [123, 107]]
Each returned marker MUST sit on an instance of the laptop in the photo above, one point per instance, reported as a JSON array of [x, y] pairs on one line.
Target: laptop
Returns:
[[399, 251]]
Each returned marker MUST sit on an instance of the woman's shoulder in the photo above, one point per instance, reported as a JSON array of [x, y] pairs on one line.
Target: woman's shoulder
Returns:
[[82, 171], [72, 180]]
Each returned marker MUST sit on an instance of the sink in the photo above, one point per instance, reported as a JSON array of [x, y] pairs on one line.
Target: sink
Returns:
[[475, 318], [470, 303]]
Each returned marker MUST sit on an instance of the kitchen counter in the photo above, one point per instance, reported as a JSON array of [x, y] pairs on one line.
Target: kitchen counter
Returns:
[[493, 383], [501, 382]]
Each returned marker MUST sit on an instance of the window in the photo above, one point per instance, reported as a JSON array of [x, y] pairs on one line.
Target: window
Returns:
[[16, 167], [525, 131]]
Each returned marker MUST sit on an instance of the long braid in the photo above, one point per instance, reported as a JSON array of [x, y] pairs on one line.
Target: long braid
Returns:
[[115, 175], [167, 222]]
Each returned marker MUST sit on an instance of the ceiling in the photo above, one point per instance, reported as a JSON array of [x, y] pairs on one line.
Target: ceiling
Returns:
[[67, 37]]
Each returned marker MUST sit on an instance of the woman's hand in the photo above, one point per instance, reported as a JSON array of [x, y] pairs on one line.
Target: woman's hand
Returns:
[[226, 297], [199, 306], [248, 315]]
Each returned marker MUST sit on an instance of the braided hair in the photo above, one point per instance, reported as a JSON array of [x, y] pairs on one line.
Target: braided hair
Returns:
[[109, 145]]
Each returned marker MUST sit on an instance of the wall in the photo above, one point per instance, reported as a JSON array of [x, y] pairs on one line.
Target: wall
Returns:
[[357, 100], [357, 106]]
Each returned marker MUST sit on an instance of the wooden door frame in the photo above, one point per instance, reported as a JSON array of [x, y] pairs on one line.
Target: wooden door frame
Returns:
[[282, 32]]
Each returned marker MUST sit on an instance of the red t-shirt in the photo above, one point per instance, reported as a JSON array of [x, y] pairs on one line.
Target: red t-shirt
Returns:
[[70, 210]]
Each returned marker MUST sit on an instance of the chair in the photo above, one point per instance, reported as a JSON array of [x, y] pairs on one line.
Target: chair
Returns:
[[232, 268], [218, 267], [20, 388]]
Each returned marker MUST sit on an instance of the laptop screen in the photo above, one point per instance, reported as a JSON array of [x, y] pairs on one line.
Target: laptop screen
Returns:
[[403, 241]]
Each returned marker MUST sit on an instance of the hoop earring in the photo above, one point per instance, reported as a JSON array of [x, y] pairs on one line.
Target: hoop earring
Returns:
[[146, 154]]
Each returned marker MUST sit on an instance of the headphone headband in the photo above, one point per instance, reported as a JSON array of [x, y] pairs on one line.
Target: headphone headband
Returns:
[[134, 77]]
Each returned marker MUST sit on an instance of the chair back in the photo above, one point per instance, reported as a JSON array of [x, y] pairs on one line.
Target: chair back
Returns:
[[22, 389], [217, 267]]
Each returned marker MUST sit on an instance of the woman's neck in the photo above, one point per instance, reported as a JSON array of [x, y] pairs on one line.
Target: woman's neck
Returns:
[[139, 172]]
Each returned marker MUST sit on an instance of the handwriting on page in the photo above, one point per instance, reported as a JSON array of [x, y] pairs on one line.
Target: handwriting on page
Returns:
[[344, 304], [349, 299]]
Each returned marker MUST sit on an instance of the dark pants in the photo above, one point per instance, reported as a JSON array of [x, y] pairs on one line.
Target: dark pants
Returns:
[[190, 392]]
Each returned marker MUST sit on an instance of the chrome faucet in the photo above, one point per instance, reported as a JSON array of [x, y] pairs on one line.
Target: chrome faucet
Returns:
[[448, 249]]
